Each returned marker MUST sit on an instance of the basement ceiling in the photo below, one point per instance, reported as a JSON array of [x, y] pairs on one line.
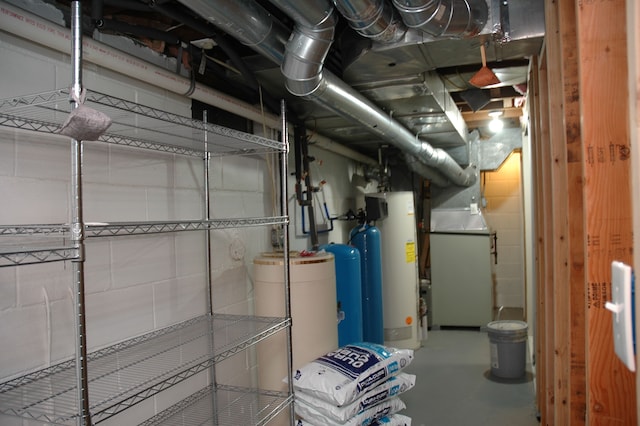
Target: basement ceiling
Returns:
[[420, 80]]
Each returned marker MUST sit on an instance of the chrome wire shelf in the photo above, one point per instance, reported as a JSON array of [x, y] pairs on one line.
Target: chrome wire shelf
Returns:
[[12, 255], [235, 406], [34, 230], [126, 373], [133, 228], [30, 244], [134, 125], [29, 256]]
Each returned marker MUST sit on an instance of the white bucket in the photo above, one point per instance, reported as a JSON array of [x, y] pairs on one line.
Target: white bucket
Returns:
[[508, 340]]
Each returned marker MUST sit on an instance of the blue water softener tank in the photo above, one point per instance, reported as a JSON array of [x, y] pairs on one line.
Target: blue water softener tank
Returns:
[[366, 238], [349, 292]]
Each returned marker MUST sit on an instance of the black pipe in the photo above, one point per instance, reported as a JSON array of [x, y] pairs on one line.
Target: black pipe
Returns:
[[97, 7], [302, 150], [297, 151]]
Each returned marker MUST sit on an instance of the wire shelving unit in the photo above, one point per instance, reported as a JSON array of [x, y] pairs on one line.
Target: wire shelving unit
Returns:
[[99, 384]]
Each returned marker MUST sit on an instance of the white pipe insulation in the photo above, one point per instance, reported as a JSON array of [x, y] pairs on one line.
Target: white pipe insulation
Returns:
[[25, 25]]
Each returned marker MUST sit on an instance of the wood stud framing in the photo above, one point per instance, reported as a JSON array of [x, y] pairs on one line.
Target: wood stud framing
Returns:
[[581, 144]]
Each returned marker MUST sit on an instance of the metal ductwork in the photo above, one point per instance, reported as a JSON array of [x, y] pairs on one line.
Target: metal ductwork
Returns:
[[374, 19], [450, 18], [303, 68], [431, 174], [308, 46]]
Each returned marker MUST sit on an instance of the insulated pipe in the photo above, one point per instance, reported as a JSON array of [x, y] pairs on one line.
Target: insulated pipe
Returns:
[[452, 18], [374, 19], [245, 20]]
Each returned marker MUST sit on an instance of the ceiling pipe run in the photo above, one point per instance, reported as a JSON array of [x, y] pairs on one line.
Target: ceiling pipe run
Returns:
[[303, 67]]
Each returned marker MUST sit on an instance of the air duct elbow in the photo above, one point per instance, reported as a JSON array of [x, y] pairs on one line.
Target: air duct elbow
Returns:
[[305, 53], [304, 58], [444, 18]]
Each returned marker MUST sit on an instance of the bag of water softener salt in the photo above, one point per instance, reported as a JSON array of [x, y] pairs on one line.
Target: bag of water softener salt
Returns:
[[395, 386], [393, 420], [363, 418], [341, 376]]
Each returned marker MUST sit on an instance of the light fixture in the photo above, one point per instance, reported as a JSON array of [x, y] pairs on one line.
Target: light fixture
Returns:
[[495, 125]]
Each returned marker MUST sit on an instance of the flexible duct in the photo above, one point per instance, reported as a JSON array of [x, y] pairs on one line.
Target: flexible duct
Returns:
[[374, 19], [253, 25], [452, 18]]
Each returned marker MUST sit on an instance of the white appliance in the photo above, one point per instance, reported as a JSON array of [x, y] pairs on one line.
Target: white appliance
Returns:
[[400, 272], [461, 275]]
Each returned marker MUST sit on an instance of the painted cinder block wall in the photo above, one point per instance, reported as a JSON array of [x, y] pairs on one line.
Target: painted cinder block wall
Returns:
[[502, 189]]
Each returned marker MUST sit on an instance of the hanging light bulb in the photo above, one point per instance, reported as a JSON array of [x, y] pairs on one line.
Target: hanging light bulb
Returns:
[[495, 125]]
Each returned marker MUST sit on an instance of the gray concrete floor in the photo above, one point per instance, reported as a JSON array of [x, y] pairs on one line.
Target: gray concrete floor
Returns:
[[454, 385]]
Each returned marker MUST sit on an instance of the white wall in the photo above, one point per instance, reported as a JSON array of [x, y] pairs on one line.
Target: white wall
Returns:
[[504, 214], [339, 193]]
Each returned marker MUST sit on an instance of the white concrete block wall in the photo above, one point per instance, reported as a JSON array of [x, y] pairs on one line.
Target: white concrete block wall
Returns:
[[504, 213], [133, 284]]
